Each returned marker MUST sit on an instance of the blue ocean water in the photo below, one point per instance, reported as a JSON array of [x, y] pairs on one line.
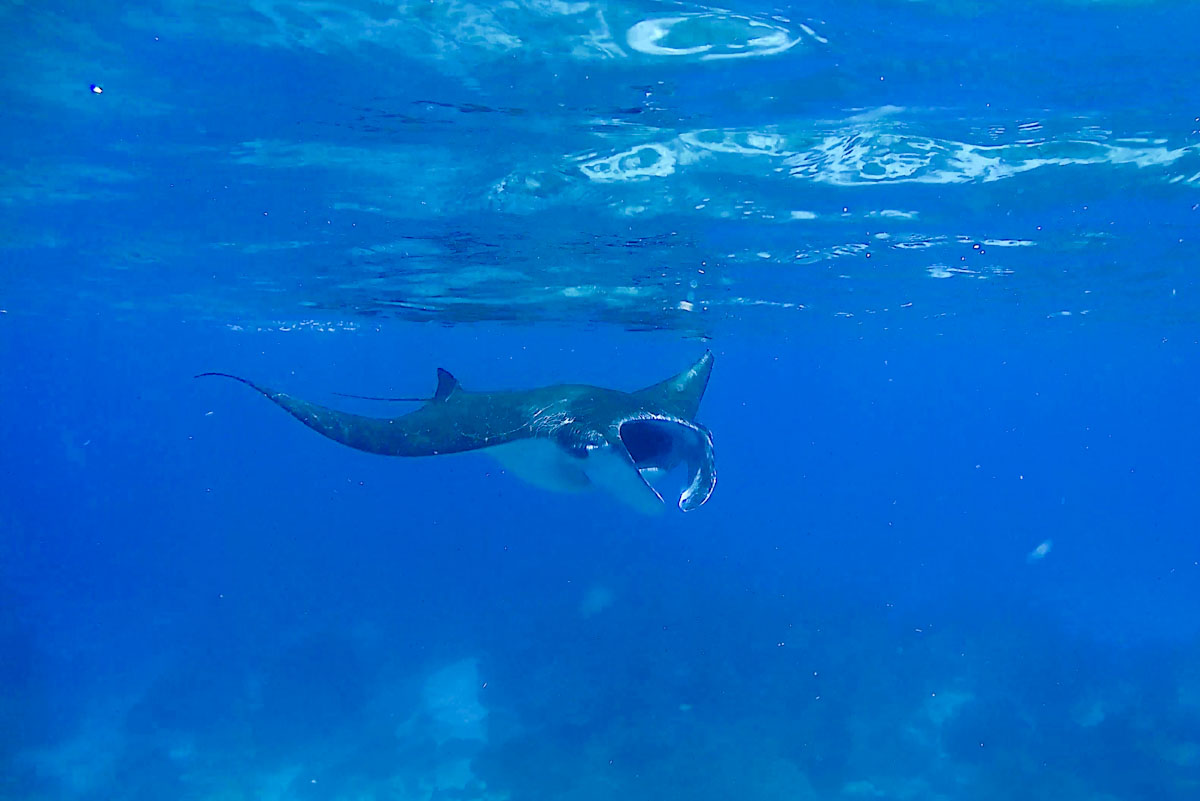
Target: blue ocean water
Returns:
[[944, 254]]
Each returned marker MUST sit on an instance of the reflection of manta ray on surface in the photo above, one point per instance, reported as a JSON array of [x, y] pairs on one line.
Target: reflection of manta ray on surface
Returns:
[[567, 437]]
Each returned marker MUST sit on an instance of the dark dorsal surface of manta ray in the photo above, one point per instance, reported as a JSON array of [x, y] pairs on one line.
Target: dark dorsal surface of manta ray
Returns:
[[567, 437]]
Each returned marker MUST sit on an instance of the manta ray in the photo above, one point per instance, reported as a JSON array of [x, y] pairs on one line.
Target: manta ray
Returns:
[[565, 437]]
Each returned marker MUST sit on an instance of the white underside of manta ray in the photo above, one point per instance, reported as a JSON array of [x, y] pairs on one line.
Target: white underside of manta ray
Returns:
[[566, 437]]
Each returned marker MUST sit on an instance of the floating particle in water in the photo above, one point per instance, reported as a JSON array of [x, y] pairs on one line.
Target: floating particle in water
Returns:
[[1040, 551], [97, 89]]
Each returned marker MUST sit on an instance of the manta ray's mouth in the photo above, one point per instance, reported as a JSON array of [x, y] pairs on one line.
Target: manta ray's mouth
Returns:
[[659, 444]]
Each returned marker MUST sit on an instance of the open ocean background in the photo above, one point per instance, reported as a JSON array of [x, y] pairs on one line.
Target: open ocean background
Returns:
[[945, 253]]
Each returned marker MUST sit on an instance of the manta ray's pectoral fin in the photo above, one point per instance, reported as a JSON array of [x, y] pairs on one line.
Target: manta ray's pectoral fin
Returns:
[[542, 463], [681, 394]]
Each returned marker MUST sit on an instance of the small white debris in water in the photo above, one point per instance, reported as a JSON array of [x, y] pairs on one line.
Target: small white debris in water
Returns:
[[97, 89], [685, 305], [1040, 551], [762, 254]]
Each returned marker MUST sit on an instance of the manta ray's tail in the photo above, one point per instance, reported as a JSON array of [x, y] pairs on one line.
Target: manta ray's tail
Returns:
[[339, 394], [234, 377]]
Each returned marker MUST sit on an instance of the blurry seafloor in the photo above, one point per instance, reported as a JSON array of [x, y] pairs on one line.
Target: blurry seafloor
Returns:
[[944, 252]]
